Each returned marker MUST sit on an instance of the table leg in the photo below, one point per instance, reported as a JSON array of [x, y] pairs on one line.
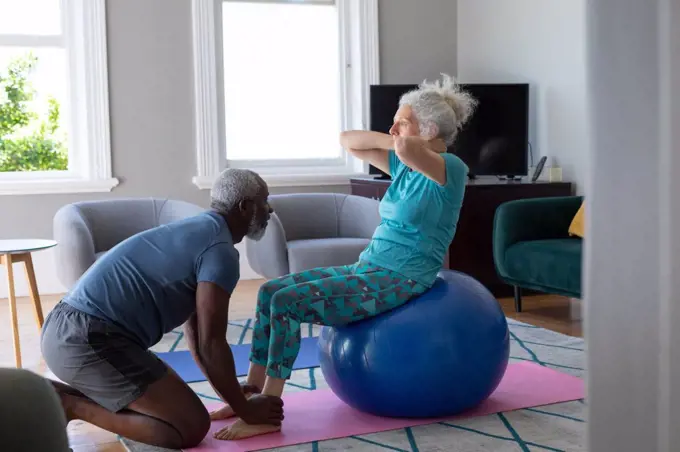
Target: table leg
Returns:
[[7, 262], [33, 289]]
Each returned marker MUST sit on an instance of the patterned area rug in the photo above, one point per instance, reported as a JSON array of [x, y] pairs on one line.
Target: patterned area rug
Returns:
[[558, 427]]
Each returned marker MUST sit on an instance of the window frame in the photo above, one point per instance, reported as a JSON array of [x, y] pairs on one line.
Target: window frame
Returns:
[[83, 37], [359, 55]]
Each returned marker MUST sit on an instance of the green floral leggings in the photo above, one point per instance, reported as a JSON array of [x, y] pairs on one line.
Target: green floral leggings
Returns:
[[323, 296]]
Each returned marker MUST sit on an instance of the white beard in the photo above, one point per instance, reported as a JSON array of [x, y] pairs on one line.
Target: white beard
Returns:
[[256, 234], [255, 231]]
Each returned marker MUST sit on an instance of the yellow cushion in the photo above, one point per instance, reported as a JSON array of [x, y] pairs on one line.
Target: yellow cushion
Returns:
[[577, 225]]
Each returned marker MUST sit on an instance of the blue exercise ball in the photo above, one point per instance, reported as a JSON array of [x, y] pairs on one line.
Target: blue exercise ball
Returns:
[[440, 354]]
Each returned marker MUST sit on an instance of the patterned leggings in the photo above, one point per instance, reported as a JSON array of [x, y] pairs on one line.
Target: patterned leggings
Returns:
[[323, 296]]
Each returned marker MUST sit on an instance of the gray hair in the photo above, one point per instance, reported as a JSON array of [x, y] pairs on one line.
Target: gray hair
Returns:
[[442, 104], [234, 185]]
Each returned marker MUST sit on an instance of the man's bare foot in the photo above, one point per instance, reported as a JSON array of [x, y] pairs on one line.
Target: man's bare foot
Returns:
[[68, 402], [241, 430]]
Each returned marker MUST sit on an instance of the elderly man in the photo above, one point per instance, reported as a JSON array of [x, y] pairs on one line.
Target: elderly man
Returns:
[[97, 338]]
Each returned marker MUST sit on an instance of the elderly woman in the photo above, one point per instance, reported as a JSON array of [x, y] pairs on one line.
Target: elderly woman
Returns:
[[419, 216]]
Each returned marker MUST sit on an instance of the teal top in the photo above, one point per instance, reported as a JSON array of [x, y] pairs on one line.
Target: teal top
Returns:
[[419, 219]]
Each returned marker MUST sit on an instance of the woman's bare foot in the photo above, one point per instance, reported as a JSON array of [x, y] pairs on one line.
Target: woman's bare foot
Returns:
[[223, 413], [226, 412], [241, 430]]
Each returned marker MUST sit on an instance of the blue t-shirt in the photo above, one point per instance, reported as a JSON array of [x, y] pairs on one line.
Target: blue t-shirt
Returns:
[[146, 284], [419, 219]]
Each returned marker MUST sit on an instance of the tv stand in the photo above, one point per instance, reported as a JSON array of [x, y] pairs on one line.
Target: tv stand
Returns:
[[471, 251]]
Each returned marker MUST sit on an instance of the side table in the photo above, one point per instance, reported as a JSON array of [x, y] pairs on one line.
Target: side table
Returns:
[[12, 252]]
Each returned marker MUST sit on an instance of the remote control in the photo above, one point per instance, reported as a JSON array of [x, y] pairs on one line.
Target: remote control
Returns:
[[539, 169]]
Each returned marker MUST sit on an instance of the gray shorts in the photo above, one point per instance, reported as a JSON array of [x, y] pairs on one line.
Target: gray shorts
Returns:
[[98, 358]]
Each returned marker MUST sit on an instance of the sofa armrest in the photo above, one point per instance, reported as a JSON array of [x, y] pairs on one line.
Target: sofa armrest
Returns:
[[268, 257], [75, 251], [531, 219], [358, 217]]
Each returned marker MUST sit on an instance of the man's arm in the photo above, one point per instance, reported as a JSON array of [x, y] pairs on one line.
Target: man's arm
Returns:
[[422, 156], [191, 336], [369, 146], [212, 349]]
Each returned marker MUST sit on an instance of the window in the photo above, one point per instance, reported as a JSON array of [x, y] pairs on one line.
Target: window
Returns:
[[54, 130], [277, 81]]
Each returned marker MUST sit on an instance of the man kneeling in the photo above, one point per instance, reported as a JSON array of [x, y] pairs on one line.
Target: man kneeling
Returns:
[[97, 338]]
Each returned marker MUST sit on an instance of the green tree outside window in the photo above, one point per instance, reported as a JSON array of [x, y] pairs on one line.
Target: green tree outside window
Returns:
[[28, 141]]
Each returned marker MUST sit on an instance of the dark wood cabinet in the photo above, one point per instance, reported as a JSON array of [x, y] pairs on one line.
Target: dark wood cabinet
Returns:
[[369, 188], [471, 251]]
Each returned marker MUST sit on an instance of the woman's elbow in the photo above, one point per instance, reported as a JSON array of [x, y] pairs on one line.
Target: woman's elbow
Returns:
[[345, 139], [355, 153]]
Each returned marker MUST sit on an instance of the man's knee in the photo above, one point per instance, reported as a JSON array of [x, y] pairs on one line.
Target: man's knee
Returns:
[[195, 430], [191, 420], [172, 401], [186, 430]]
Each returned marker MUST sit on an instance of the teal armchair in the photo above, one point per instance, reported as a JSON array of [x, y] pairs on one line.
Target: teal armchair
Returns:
[[532, 248]]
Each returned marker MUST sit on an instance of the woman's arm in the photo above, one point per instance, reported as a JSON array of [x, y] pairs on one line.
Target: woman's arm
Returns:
[[423, 156], [368, 146]]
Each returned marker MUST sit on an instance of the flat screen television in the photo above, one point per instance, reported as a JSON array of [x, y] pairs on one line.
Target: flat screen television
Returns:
[[494, 142]]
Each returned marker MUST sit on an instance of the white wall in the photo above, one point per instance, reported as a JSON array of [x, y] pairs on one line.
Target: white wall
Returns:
[[417, 40], [632, 271], [542, 43]]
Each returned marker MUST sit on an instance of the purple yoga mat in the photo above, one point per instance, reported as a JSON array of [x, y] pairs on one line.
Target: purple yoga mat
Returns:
[[320, 415]]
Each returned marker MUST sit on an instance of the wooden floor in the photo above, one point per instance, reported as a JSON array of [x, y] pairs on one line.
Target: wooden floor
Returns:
[[555, 313]]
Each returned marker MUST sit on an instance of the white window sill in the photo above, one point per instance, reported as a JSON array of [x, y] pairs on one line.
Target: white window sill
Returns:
[[290, 180], [56, 186]]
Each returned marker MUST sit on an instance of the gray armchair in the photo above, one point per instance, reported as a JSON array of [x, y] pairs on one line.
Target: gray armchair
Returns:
[[86, 230], [313, 230]]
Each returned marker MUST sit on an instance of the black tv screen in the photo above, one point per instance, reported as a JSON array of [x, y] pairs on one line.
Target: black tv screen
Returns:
[[494, 142]]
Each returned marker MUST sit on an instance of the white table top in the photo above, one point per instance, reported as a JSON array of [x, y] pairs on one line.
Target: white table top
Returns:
[[25, 245]]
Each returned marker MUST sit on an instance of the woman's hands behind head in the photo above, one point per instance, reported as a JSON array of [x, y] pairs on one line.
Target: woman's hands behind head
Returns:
[[414, 144], [423, 156], [437, 145]]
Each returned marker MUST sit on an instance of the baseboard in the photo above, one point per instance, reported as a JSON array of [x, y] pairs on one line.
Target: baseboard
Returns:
[[44, 263]]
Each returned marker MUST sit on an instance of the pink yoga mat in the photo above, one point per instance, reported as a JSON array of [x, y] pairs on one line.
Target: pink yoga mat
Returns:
[[320, 415]]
